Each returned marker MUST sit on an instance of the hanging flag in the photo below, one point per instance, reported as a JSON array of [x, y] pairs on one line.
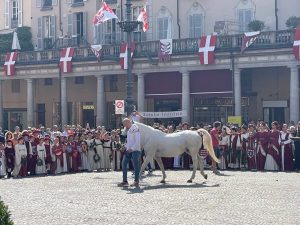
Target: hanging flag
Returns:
[[105, 13], [207, 49], [248, 39], [97, 50], [296, 45], [143, 17], [66, 56], [9, 64], [15, 42], [124, 55], [166, 49]]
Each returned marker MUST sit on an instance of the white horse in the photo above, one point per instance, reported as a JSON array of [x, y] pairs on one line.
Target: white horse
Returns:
[[157, 144]]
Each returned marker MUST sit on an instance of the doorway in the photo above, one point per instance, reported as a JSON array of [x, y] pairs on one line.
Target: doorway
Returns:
[[274, 114], [88, 117]]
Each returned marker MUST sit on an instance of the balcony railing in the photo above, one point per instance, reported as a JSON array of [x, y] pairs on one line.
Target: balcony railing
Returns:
[[150, 49]]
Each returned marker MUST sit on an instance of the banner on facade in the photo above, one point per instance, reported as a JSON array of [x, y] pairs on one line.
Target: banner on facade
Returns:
[[119, 107], [236, 120], [172, 114]]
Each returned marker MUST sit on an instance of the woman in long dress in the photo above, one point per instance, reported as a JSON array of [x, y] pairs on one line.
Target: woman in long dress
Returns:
[[10, 157], [287, 156], [2, 159], [224, 149], [59, 158], [107, 151], [20, 169], [262, 146], [85, 166], [273, 152], [41, 156]]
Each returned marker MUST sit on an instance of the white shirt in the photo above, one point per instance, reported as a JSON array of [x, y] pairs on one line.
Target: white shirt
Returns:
[[136, 118], [133, 139]]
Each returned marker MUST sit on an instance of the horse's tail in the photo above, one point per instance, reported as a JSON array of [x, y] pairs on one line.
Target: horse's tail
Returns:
[[207, 142]]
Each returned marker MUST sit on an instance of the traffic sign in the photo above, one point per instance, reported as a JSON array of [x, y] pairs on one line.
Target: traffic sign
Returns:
[[119, 107]]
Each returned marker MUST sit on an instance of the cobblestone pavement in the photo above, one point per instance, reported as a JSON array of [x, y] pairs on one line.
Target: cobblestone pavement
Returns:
[[94, 198]]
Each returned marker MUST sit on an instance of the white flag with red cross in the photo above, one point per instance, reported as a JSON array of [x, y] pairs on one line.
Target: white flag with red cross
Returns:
[[207, 49], [296, 45], [9, 64], [143, 17], [124, 55], [105, 13], [65, 62]]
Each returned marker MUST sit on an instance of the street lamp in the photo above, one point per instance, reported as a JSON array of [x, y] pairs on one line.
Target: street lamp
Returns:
[[129, 26]]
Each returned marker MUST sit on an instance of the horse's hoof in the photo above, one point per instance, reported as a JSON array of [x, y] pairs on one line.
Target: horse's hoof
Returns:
[[190, 181], [205, 176], [163, 182]]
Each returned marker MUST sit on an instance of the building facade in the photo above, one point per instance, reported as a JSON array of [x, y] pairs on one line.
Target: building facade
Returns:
[[262, 83]]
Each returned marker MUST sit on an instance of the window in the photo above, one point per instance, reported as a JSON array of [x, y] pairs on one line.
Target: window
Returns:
[[48, 81], [15, 10], [164, 24], [46, 32], [79, 80], [15, 86], [41, 114], [195, 22], [77, 1], [79, 24], [245, 17], [77, 28], [113, 83], [137, 33], [47, 3]]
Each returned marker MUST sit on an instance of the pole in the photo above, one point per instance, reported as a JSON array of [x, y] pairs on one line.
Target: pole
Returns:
[[129, 66], [60, 95], [232, 75]]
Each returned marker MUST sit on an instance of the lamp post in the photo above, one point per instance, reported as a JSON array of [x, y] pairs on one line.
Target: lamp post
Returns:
[[129, 26]]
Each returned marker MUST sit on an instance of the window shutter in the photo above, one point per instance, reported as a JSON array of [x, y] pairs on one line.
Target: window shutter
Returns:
[[169, 27], [54, 2], [52, 27], [70, 24], [39, 33], [6, 13], [191, 25], [20, 13], [119, 37], [84, 25], [38, 3]]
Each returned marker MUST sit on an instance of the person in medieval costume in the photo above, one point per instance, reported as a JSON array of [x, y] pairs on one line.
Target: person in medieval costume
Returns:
[[251, 148], [296, 136], [262, 145], [2, 158], [91, 150], [10, 157], [20, 169], [75, 155], [117, 153], [273, 160], [64, 141], [287, 156], [50, 168], [41, 156], [224, 149], [85, 166], [98, 157], [57, 150], [244, 139], [107, 151], [235, 149]]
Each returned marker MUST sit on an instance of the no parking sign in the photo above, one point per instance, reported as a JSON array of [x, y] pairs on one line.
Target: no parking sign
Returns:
[[119, 107]]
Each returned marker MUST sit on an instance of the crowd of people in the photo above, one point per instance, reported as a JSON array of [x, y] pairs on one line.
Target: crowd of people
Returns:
[[40, 151]]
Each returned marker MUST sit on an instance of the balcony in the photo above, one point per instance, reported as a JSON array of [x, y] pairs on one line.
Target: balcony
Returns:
[[150, 49]]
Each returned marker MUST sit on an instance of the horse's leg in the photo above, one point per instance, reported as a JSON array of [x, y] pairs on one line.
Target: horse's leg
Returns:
[[161, 166], [195, 164], [200, 160], [145, 163]]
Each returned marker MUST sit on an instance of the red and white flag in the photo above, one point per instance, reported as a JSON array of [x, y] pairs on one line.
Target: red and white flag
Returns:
[[105, 13], [143, 17], [97, 50], [124, 55], [9, 64], [248, 39], [296, 45], [207, 49], [65, 61]]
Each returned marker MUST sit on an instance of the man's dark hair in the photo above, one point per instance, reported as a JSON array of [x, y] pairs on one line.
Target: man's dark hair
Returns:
[[217, 124]]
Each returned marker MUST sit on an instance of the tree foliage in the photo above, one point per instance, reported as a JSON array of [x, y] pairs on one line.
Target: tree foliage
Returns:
[[256, 25], [293, 22], [5, 214]]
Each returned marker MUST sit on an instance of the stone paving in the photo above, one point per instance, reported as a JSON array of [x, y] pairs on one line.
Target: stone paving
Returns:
[[94, 198]]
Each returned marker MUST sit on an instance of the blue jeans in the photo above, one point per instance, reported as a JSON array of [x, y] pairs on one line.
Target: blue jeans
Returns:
[[135, 157]]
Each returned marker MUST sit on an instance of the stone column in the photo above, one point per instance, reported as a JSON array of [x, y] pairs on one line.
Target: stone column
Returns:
[[294, 94], [141, 93], [237, 92], [30, 114], [64, 103], [100, 119], [1, 103], [186, 96]]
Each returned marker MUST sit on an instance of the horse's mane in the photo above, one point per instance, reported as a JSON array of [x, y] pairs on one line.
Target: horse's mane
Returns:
[[149, 128]]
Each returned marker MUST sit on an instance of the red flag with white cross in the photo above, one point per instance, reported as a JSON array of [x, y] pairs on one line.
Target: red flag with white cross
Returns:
[[9, 64], [124, 55], [207, 49], [65, 62], [296, 45]]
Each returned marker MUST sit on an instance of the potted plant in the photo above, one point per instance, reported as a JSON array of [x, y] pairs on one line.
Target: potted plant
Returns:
[[293, 22], [256, 25], [5, 214]]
